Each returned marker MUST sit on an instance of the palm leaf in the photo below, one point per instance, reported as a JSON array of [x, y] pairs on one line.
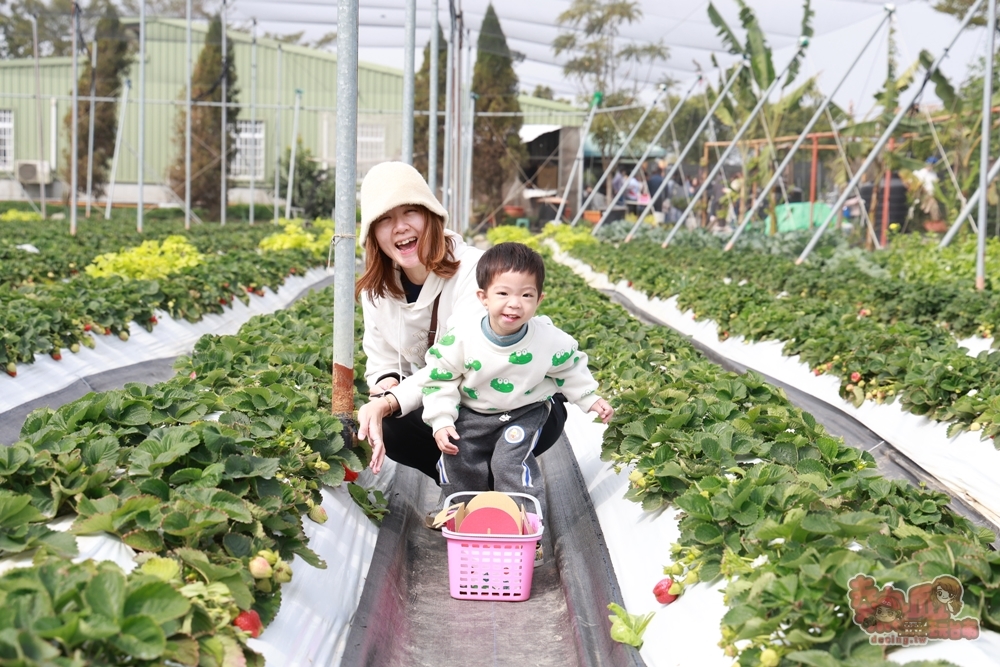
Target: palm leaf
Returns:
[[942, 86], [725, 32], [805, 34], [757, 49]]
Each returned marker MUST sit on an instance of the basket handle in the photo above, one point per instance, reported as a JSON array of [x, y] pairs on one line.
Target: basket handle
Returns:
[[450, 500]]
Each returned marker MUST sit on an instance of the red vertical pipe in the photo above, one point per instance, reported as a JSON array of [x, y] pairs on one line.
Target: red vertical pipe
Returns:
[[812, 179]]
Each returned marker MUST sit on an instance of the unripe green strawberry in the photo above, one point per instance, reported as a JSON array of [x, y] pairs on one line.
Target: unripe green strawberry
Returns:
[[282, 572], [769, 658], [260, 568], [318, 514], [123, 335]]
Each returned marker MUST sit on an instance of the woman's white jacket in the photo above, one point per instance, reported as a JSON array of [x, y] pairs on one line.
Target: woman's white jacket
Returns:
[[395, 338]]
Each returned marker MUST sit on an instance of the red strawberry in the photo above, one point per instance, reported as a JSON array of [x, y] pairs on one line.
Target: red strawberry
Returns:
[[249, 622], [349, 475], [107, 331], [223, 302], [87, 327], [291, 270], [630, 283], [153, 320], [662, 591], [193, 375], [855, 376], [57, 355]]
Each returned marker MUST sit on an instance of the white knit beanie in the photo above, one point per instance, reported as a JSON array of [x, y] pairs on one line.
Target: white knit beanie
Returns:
[[391, 184]]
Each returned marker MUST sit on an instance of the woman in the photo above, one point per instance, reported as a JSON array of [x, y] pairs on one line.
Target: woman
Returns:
[[418, 276]]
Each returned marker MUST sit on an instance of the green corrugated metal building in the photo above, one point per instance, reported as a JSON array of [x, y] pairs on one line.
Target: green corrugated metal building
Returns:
[[310, 70]]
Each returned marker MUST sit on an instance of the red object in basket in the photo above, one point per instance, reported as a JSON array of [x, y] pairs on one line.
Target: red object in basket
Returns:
[[489, 521]]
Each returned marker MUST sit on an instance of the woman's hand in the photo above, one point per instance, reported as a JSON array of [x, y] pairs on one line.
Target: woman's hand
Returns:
[[370, 418], [382, 386], [443, 437], [603, 410]]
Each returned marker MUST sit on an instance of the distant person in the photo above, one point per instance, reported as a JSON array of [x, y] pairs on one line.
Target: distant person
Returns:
[[654, 182]]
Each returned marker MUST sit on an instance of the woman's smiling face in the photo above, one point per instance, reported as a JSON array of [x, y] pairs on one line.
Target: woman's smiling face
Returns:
[[398, 233]]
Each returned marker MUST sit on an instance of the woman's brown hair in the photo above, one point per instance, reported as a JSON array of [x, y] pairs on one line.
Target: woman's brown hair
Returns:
[[435, 250]]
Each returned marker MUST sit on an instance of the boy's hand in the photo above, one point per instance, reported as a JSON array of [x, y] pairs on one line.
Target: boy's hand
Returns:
[[603, 410], [443, 438]]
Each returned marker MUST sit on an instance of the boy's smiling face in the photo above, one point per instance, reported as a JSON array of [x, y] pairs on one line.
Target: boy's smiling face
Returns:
[[511, 300]]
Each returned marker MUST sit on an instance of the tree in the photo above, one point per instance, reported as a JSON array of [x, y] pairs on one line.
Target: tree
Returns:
[[206, 123], [600, 62], [497, 148], [421, 102], [114, 57], [543, 92], [55, 28], [314, 189]]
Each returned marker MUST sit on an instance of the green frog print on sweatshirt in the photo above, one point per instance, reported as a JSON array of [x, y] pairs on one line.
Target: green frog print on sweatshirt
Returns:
[[448, 339], [520, 358], [473, 364], [438, 374], [471, 392], [561, 357], [434, 352], [503, 385]]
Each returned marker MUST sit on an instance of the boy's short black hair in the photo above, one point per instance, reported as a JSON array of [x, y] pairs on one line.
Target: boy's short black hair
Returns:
[[505, 257]]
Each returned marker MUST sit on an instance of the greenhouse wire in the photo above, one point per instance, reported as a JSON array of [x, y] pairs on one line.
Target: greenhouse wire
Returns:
[[893, 124], [857, 193], [824, 106], [984, 144]]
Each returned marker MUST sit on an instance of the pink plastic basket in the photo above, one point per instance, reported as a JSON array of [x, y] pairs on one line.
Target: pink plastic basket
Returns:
[[492, 567]]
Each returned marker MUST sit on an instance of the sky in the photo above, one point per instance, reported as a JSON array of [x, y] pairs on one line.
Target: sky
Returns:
[[842, 28]]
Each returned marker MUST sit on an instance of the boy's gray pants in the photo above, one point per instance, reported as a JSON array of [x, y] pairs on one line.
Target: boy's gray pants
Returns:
[[497, 442]]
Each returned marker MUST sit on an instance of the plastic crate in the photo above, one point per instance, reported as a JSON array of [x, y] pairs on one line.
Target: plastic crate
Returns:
[[492, 567]]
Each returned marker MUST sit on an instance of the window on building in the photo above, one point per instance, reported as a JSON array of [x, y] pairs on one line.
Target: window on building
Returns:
[[371, 143], [249, 160], [6, 140]]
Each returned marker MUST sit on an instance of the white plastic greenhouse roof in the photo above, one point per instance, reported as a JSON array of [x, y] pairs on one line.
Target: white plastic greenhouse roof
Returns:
[[841, 29]]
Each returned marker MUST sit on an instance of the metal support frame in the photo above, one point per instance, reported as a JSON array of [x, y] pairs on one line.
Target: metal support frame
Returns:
[[691, 142], [291, 160], [140, 208], [187, 120], [432, 116], [277, 137], [645, 154], [74, 150], [449, 102], [621, 151], [224, 130], [118, 147], [253, 119], [40, 110], [90, 129], [409, 74], [967, 209], [984, 143], [578, 162], [470, 134], [347, 179], [903, 110], [729, 149], [805, 132]]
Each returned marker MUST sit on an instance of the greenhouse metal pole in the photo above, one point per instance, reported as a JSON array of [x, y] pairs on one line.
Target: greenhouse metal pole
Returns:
[[409, 73], [578, 162], [187, 122], [448, 104], [967, 209], [39, 110], [687, 148], [277, 137], [74, 152], [984, 144], [142, 113], [225, 119], [118, 147], [903, 110], [346, 208], [725, 154], [253, 118], [645, 154], [90, 129], [761, 198], [295, 143], [621, 151], [432, 115], [470, 134]]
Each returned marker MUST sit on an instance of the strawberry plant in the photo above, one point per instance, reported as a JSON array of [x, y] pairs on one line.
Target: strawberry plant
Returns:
[[770, 503]]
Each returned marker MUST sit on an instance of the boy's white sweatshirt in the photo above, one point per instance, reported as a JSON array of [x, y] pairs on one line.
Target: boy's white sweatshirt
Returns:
[[464, 367], [395, 338]]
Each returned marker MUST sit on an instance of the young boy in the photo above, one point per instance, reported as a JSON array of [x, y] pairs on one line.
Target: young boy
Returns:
[[491, 380]]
